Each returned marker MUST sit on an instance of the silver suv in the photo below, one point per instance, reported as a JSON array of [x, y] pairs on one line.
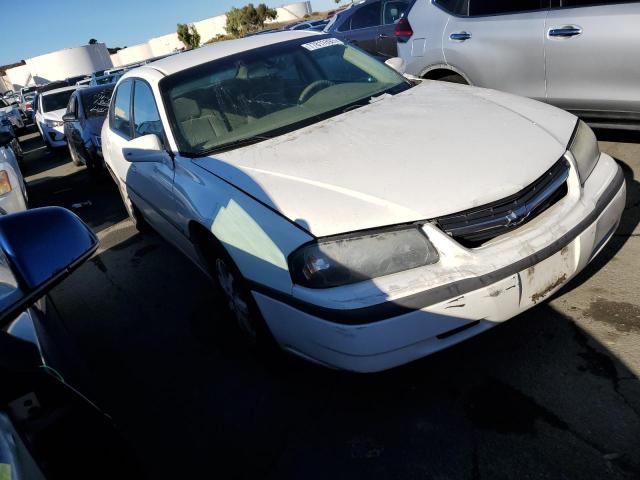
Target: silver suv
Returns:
[[580, 55]]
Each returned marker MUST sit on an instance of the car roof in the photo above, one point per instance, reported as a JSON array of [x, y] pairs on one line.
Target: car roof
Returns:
[[63, 89], [209, 53]]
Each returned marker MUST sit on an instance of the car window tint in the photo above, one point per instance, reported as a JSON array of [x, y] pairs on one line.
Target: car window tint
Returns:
[[393, 11], [56, 101], [457, 7], [366, 16], [96, 102], [497, 7], [346, 23], [121, 115], [145, 113]]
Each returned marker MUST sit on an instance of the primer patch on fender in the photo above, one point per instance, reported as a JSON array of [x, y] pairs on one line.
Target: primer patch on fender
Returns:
[[318, 44]]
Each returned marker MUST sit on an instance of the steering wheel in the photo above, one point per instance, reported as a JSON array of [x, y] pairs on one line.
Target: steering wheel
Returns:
[[312, 88]]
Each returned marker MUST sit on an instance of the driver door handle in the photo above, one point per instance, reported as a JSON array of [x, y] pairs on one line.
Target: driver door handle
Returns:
[[460, 36], [566, 31]]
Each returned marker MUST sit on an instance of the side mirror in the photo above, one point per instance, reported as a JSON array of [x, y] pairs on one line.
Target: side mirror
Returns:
[[38, 248], [147, 148], [68, 117], [398, 64], [6, 138]]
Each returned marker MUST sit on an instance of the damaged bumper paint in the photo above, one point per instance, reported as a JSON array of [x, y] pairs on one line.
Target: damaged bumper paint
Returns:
[[382, 323]]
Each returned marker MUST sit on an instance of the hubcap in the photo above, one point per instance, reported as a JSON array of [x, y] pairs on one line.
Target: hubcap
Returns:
[[236, 303]]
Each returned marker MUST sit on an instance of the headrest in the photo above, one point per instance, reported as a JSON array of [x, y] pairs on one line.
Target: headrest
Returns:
[[186, 108]]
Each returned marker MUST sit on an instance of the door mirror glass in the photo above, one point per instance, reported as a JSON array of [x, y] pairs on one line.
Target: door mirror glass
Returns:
[[398, 64], [38, 248], [147, 148], [6, 137], [69, 117]]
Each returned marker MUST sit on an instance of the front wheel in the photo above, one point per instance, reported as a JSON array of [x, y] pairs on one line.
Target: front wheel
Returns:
[[239, 302], [74, 157]]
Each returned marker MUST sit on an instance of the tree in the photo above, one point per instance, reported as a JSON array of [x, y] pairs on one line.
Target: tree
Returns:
[[241, 21], [93, 41], [188, 35]]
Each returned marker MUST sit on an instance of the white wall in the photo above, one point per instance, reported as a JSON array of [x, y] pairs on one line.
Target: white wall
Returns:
[[135, 53], [20, 76], [293, 11], [210, 27], [165, 44], [69, 62], [5, 84], [115, 59]]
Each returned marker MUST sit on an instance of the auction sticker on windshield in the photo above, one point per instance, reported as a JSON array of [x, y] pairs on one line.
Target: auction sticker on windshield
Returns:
[[327, 42]]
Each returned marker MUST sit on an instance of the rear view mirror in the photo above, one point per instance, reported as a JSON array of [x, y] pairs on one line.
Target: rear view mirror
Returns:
[[398, 64], [38, 248], [147, 148], [68, 117], [5, 138]]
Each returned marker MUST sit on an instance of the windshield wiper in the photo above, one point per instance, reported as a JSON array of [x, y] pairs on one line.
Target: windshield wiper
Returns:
[[233, 144]]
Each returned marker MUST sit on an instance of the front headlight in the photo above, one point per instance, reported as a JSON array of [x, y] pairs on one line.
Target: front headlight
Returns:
[[5, 183], [53, 123], [349, 259], [584, 148]]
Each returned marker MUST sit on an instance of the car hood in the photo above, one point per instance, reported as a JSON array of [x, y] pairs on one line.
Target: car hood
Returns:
[[435, 149], [54, 114]]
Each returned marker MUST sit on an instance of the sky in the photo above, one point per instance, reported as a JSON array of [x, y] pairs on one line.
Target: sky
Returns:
[[50, 25]]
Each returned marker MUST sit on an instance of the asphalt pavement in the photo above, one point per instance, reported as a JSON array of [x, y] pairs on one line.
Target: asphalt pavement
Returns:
[[552, 394]]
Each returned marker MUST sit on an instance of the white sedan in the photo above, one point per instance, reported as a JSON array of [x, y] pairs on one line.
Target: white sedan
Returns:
[[13, 192], [356, 218]]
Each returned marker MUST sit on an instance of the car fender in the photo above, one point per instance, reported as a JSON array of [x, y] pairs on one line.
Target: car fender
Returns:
[[258, 238]]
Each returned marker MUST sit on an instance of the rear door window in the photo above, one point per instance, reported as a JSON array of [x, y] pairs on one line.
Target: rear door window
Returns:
[[393, 11], [500, 7], [456, 7], [121, 117], [366, 16]]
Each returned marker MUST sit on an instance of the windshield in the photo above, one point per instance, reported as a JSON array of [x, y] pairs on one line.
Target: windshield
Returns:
[[268, 91], [56, 101], [96, 102]]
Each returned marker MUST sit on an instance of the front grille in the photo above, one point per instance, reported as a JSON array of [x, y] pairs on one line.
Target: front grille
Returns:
[[477, 225]]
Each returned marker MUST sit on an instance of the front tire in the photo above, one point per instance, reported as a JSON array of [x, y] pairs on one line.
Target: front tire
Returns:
[[239, 301], [74, 157]]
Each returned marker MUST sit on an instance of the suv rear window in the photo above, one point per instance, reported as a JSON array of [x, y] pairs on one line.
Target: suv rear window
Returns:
[[96, 102]]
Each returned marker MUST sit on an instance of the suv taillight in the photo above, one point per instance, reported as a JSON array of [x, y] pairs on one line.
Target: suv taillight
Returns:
[[403, 31]]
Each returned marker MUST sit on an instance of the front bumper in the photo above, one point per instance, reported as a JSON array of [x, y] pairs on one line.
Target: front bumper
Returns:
[[476, 290], [54, 136]]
